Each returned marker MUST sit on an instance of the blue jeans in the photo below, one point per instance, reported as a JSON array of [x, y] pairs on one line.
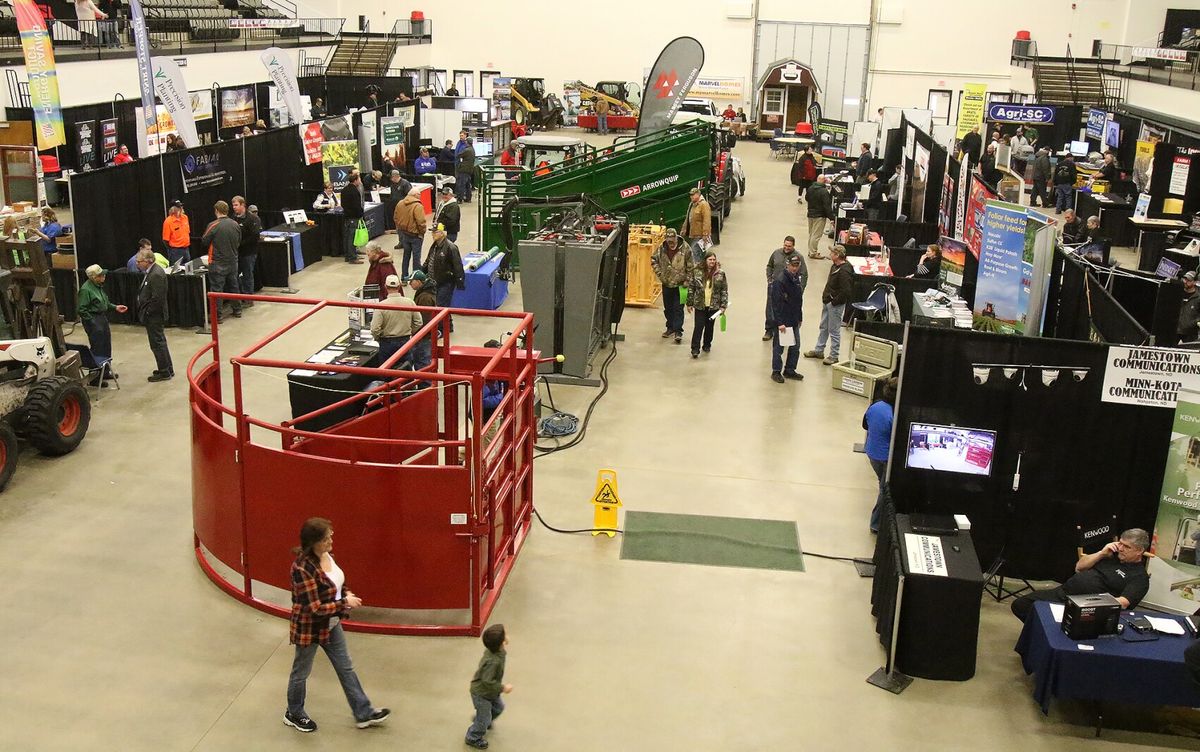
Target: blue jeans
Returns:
[[462, 185], [412, 252], [486, 711], [778, 365], [174, 254], [99, 336], [349, 227], [339, 656], [1062, 197], [225, 279], [672, 310], [422, 353], [388, 347], [831, 328], [246, 272], [602, 122], [880, 468]]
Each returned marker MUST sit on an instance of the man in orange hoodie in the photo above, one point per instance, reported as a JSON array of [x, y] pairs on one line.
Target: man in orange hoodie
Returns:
[[177, 234]]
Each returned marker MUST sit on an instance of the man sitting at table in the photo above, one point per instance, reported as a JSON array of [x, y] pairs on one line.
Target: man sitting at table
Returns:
[[1118, 569], [1072, 228]]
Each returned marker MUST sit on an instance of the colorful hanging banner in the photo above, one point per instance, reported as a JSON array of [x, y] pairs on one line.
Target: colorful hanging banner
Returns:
[[279, 68], [141, 43], [172, 91], [42, 73], [310, 135], [1001, 292], [1175, 585], [970, 108]]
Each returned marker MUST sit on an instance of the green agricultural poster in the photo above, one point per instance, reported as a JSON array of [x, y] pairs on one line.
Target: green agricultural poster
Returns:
[[1175, 575]]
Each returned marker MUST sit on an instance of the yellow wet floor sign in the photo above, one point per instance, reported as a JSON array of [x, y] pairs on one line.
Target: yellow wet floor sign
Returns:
[[605, 502]]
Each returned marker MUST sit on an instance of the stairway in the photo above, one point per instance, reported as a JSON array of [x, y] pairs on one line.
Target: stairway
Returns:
[[1062, 83], [362, 55]]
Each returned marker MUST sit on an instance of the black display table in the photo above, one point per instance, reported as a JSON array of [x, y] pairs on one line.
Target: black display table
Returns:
[[185, 296], [1114, 213], [313, 242], [938, 629], [311, 390], [329, 226]]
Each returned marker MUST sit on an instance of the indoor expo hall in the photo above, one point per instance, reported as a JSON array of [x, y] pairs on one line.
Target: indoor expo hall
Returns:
[[123, 643], [118, 639]]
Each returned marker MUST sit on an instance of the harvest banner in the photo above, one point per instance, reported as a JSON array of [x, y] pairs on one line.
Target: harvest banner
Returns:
[[43, 76]]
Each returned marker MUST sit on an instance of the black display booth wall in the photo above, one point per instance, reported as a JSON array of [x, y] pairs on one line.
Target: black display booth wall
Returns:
[[1081, 460]]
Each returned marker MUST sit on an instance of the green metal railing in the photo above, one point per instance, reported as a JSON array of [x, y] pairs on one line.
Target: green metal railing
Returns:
[[646, 178]]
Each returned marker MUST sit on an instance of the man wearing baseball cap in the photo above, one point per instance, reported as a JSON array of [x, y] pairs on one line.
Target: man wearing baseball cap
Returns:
[[697, 225], [785, 312], [672, 263], [444, 266], [449, 214], [392, 327], [1189, 312], [177, 233]]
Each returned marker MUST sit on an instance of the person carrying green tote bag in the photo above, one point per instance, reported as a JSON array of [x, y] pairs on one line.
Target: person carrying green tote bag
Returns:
[[361, 236]]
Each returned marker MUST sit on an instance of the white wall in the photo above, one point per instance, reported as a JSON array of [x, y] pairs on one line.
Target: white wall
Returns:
[[807, 11], [1168, 100], [941, 45], [1146, 17], [84, 83]]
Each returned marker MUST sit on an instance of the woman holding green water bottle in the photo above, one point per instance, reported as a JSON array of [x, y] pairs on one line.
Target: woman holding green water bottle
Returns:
[[708, 297]]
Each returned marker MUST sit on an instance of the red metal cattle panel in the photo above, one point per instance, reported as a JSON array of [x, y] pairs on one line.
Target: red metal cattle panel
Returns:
[[414, 417], [392, 531], [216, 491]]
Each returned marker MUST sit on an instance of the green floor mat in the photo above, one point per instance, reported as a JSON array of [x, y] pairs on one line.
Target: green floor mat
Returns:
[[715, 541]]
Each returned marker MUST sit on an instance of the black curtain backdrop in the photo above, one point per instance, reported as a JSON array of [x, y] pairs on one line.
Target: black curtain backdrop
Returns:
[[1152, 301], [1069, 315], [1068, 473]]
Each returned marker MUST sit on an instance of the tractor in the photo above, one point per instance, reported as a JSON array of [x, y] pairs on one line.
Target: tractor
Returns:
[[533, 107], [42, 397]]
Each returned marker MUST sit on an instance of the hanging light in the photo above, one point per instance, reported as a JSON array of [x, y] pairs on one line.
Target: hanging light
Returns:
[[1049, 376], [1079, 374], [1010, 372], [981, 374]]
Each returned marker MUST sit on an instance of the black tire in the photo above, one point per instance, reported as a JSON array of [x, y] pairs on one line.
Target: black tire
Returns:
[[56, 415], [730, 192], [8, 453], [717, 220]]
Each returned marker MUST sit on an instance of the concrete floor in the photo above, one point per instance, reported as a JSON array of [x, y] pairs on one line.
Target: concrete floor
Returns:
[[116, 640]]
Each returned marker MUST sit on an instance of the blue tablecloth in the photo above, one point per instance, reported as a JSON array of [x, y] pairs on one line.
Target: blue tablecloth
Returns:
[[1149, 673]]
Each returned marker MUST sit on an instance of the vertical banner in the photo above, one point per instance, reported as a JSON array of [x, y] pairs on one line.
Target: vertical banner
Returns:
[[42, 75], [946, 210], [970, 108], [108, 141], [279, 68], [85, 145], [1175, 584], [1001, 294], [672, 74], [1143, 164], [172, 91], [141, 43], [311, 137], [964, 188]]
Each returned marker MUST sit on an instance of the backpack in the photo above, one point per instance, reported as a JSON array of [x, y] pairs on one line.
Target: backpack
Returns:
[[1062, 173]]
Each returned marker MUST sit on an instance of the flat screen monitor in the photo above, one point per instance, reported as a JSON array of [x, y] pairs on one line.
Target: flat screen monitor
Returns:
[[483, 149], [1112, 134], [1079, 148], [950, 450]]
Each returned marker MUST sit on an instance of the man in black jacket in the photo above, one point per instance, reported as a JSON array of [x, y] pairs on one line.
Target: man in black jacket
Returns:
[[449, 214], [1041, 178], [444, 266], [352, 211], [1189, 312], [839, 289], [820, 208], [1065, 175], [251, 227], [152, 312], [970, 145], [464, 170], [222, 238], [875, 199], [865, 162], [786, 299]]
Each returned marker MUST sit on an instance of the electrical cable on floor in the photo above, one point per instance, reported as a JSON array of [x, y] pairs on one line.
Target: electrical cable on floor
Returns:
[[587, 416], [548, 526], [851, 559]]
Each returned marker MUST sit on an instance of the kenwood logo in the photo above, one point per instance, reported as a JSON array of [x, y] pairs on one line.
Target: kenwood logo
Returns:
[[1189, 418], [1097, 531]]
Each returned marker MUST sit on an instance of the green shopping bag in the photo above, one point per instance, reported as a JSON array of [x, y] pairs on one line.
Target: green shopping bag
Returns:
[[722, 322], [682, 295], [361, 236]]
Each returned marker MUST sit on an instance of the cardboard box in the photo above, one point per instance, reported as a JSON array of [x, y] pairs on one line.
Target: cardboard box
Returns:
[[63, 261], [1087, 617]]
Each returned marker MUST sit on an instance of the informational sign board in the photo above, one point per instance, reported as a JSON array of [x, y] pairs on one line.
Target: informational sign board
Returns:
[[1149, 376], [1181, 168], [970, 107], [925, 555], [1001, 295], [1004, 112], [1175, 584], [1095, 123]]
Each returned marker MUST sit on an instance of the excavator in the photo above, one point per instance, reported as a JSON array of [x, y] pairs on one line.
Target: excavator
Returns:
[[533, 107], [624, 99]]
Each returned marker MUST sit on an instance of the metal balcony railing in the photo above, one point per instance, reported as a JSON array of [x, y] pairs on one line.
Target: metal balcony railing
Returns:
[[1148, 64]]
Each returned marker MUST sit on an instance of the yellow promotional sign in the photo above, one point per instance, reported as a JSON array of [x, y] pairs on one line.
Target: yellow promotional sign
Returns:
[[605, 501], [970, 107]]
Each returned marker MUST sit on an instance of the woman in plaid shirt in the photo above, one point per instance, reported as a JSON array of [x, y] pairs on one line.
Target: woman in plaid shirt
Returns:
[[318, 605]]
